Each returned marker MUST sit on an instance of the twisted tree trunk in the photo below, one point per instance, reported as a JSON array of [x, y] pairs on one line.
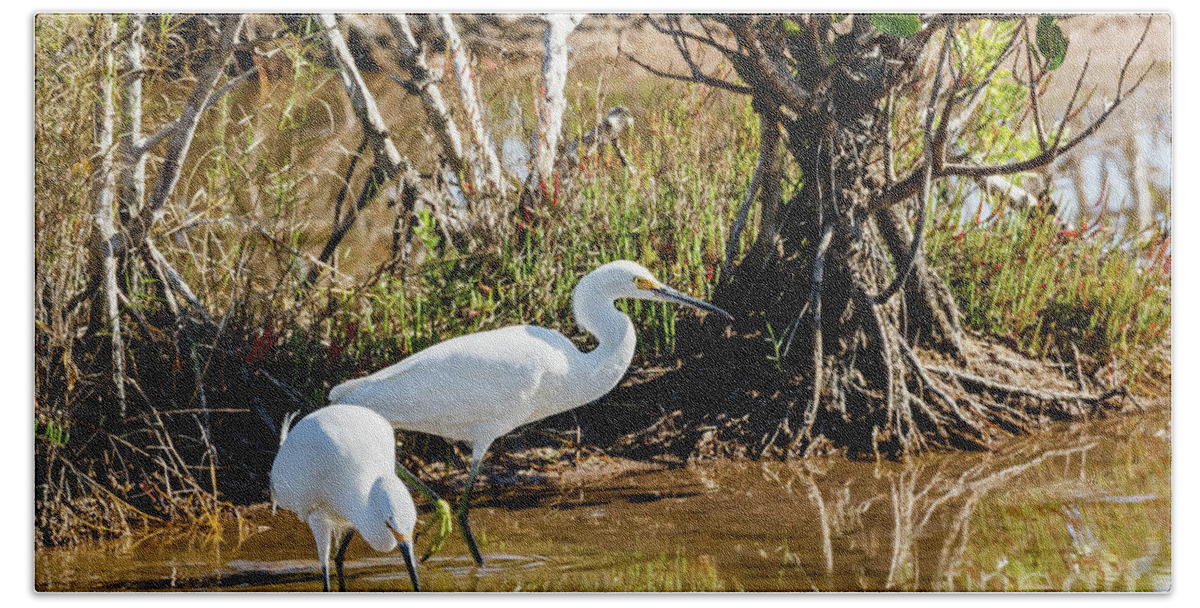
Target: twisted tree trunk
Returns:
[[835, 296]]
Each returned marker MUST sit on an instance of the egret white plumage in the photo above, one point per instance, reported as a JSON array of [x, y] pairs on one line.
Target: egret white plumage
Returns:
[[478, 387], [336, 470]]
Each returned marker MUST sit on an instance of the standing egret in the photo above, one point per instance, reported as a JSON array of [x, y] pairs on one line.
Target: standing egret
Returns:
[[478, 387], [336, 470]]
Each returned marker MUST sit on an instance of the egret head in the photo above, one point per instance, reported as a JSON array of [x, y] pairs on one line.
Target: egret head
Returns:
[[625, 279], [392, 505]]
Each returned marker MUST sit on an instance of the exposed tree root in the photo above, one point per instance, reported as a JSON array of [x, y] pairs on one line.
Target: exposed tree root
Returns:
[[1095, 400], [932, 407]]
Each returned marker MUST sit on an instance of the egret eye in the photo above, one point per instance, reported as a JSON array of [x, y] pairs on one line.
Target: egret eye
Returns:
[[644, 283]]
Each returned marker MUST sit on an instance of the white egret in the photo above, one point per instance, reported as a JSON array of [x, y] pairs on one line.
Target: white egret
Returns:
[[478, 387], [336, 470]]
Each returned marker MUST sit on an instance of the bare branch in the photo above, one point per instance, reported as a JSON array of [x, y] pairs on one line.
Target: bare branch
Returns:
[[1129, 59], [262, 232], [676, 29], [1053, 152], [412, 57], [785, 88], [900, 190], [484, 147], [176, 283], [171, 128], [103, 259], [977, 91], [131, 188], [388, 161], [1034, 85], [1042, 159], [971, 99], [345, 189], [701, 77], [904, 268], [680, 36], [1062, 123], [889, 146], [181, 137], [360, 96], [935, 144], [908, 186]]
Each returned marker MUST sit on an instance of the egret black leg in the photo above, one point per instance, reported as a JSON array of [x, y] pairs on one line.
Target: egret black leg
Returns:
[[340, 556], [416, 482], [463, 507]]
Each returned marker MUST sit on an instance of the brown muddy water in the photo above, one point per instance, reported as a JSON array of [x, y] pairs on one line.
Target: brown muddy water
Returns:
[[1084, 507]]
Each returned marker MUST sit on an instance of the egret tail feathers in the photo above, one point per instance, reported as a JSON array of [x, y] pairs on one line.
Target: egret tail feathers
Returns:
[[341, 392], [283, 433], [287, 425]]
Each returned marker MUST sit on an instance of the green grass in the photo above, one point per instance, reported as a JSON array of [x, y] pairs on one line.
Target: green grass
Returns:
[[670, 214], [1024, 276]]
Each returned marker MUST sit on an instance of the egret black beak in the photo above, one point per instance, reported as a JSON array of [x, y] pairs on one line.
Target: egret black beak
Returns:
[[410, 563], [672, 295], [406, 551]]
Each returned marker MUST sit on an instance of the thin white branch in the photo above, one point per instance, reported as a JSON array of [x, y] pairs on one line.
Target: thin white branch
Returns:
[[131, 191], [103, 259], [181, 137], [483, 147], [554, 81], [175, 282], [412, 56], [360, 97]]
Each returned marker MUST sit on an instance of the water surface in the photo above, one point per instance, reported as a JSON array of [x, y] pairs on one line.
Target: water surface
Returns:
[[1083, 507]]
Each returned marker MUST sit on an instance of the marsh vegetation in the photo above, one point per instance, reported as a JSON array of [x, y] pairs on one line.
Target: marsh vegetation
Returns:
[[234, 214]]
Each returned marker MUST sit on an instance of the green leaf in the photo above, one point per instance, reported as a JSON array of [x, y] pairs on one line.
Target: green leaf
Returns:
[[791, 28], [1051, 41], [897, 24]]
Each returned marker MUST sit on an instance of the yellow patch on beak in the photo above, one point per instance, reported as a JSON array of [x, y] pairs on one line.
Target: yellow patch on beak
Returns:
[[399, 536], [644, 283]]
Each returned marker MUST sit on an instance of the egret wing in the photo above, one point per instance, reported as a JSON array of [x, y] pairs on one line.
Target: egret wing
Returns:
[[494, 378]]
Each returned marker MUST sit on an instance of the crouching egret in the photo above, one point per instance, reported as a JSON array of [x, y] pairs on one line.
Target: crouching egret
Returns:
[[480, 386], [336, 470]]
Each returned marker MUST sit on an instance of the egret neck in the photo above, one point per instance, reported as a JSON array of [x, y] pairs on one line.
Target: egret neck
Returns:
[[603, 367]]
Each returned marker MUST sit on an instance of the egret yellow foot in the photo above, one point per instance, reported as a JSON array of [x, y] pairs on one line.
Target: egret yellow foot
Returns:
[[442, 513], [445, 526]]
